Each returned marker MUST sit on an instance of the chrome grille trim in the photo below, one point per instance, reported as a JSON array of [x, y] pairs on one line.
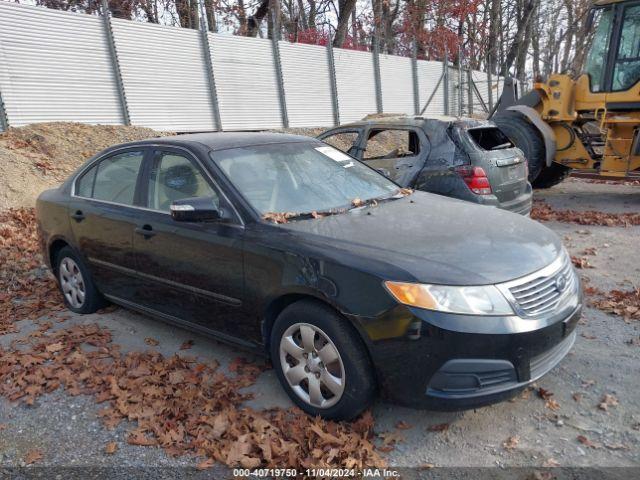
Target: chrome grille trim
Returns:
[[537, 294]]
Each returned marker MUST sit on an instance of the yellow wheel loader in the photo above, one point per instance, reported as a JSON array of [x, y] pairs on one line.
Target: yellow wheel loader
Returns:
[[590, 124]]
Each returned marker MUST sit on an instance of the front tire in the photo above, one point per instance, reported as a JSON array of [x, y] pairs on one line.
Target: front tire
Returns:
[[321, 361], [76, 284], [526, 137]]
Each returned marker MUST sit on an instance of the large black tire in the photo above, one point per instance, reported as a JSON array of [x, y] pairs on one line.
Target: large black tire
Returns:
[[75, 281], [551, 176], [526, 137], [352, 366]]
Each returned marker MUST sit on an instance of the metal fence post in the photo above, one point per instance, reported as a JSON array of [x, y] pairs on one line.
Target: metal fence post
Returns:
[[206, 52], [115, 64], [333, 82], [445, 78], [414, 74], [490, 87], [376, 73], [470, 91], [460, 80], [275, 48], [4, 120]]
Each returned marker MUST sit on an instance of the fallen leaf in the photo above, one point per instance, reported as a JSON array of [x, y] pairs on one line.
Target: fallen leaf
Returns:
[[552, 404], [511, 442], [616, 446], [33, 456], [551, 462], [205, 464], [426, 466], [110, 448], [186, 345], [390, 438], [544, 393], [402, 425], [151, 341], [55, 347], [608, 401], [586, 442], [577, 397], [440, 427]]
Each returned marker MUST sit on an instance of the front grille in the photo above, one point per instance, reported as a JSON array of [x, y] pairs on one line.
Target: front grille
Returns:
[[543, 294]]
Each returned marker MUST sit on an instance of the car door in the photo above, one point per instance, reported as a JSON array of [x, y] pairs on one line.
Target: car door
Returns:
[[104, 212], [396, 152], [190, 271]]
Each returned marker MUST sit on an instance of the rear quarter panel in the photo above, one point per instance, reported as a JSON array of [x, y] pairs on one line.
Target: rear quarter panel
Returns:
[[53, 221]]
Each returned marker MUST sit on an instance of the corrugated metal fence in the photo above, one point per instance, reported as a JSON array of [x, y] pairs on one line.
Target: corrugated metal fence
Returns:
[[62, 66]]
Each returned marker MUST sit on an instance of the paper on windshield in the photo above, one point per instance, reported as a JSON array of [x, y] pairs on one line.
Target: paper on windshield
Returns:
[[333, 154]]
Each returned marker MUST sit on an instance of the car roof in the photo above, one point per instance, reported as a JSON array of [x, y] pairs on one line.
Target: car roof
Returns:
[[223, 140], [413, 121]]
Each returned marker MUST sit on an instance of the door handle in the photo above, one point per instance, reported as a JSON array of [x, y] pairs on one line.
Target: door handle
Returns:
[[78, 216], [146, 231]]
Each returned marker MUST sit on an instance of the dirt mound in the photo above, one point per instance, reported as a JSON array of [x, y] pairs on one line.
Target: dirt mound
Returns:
[[40, 156]]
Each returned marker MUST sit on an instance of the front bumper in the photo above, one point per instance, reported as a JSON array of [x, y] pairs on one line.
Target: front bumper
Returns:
[[439, 366]]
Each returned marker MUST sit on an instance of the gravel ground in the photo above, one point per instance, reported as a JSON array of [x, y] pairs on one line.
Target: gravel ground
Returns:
[[68, 432]]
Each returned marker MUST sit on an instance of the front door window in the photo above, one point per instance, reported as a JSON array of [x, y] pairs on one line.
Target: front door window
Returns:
[[597, 59], [174, 177]]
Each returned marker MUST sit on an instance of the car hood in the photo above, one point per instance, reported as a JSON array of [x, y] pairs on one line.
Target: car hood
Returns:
[[435, 239]]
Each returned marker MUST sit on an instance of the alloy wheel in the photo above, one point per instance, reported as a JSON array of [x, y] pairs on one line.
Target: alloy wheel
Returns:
[[312, 365], [72, 283]]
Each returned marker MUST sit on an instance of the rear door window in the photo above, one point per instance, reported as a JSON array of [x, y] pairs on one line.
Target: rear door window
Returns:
[[112, 179], [391, 143]]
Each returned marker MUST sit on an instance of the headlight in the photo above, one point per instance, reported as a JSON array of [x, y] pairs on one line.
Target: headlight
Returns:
[[483, 300]]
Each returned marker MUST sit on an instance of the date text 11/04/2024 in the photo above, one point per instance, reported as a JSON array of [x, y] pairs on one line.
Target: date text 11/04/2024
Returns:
[[316, 473]]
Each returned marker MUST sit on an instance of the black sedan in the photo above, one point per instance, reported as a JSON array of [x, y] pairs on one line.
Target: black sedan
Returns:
[[349, 283]]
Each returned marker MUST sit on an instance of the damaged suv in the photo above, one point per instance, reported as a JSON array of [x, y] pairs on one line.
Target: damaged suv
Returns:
[[462, 158]]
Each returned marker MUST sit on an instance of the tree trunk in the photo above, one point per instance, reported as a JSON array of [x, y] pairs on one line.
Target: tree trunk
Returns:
[[494, 29], [344, 16], [518, 41], [253, 22]]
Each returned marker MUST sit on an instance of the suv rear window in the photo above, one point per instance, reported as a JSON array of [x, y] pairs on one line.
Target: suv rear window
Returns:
[[490, 138]]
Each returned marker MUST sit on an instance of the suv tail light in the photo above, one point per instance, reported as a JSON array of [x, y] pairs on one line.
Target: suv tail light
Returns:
[[475, 178]]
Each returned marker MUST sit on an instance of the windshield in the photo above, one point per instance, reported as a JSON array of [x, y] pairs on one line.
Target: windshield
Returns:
[[301, 177]]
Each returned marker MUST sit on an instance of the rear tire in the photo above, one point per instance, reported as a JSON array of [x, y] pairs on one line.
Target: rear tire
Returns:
[[526, 137], [551, 176], [76, 284], [321, 361]]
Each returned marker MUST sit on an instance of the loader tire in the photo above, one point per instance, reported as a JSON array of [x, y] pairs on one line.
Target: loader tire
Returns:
[[526, 137], [551, 176]]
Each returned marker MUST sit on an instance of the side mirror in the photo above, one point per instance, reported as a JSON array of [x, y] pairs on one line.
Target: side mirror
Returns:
[[196, 209]]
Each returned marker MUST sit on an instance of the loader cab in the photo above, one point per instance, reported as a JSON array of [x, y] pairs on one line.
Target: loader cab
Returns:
[[613, 62]]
